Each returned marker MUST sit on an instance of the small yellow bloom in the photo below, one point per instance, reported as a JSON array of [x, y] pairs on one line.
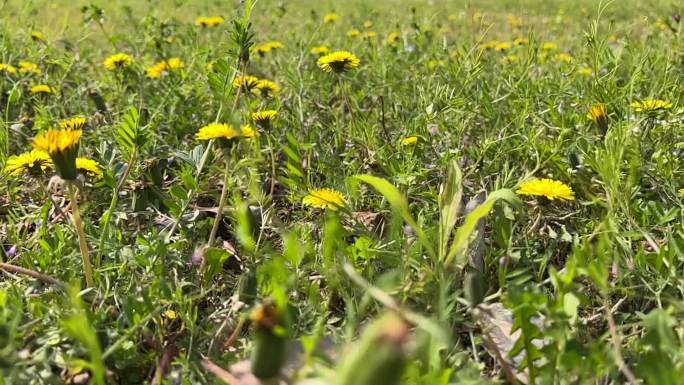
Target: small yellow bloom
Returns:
[[170, 314], [649, 105], [117, 61], [409, 141], [330, 17], [267, 88], [37, 36], [267, 47], [246, 83], [549, 46], [503, 46], [367, 24], [564, 57], [217, 131], [10, 69], [324, 199], [370, 34], [27, 67], [394, 37], [248, 131], [354, 33], [508, 59], [338, 62], [548, 188], [209, 21], [41, 89], [597, 113], [89, 166], [264, 118], [75, 123], [320, 50], [515, 21], [489, 45], [161, 68], [521, 41], [432, 64], [62, 146], [33, 162]]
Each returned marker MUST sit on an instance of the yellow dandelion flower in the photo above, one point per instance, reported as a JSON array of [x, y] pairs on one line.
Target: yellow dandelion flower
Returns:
[[393, 37], [8, 68], [330, 17], [26, 67], [503, 46], [37, 36], [564, 57], [585, 71], [248, 131], [217, 131], [509, 59], [338, 62], [174, 63], [62, 146], [548, 188], [158, 69], [89, 167], [432, 64], [515, 21], [33, 162], [521, 41], [597, 113], [264, 118], [354, 33], [246, 83], [324, 198], [549, 46], [75, 123], [370, 34], [489, 45], [267, 47], [320, 50], [209, 21], [367, 24], [117, 61], [409, 141], [267, 88], [41, 89], [649, 105]]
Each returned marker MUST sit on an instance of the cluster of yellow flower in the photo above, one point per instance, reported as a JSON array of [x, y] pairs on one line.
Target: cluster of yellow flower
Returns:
[[253, 85], [163, 67], [264, 48], [209, 21]]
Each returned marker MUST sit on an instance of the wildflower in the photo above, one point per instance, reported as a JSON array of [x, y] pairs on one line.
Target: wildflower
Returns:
[[503, 46], [62, 146], [585, 71], [393, 37], [209, 21], [521, 41], [548, 188], [267, 88], [248, 131], [598, 113], [33, 162], [409, 141], [515, 21], [264, 118], [224, 133], [89, 166], [320, 50], [117, 61], [246, 83], [325, 198], [267, 47], [41, 89], [367, 24], [75, 123], [27, 67], [338, 62], [37, 36], [508, 59], [489, 45], [370, 34], [549, 46], [157, 70], [649, 105], [10, 69], [564, 57], [354, 33], [330, 17]]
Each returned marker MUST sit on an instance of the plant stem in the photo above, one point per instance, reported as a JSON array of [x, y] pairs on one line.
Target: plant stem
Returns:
[[78, 224], [222, 200]]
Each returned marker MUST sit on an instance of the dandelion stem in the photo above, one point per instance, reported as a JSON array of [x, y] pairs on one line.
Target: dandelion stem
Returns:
[[78, 224], [222, 201]]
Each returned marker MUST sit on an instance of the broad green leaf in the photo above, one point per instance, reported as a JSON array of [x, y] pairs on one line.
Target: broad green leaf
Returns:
[[214, 258], [399, 204]]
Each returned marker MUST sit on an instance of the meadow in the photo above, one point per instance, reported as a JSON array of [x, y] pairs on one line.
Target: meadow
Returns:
[[348, 193]]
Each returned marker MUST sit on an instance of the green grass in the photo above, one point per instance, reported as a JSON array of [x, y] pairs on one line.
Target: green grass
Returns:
[[593, 285]]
